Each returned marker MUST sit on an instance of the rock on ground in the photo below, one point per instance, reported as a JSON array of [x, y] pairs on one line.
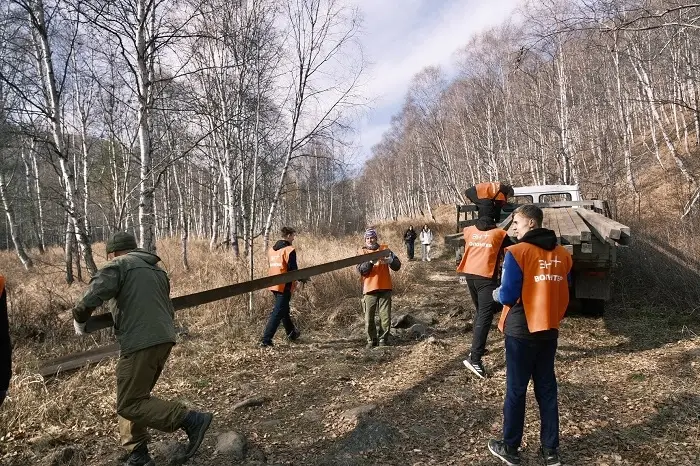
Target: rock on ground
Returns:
[[231, 444]]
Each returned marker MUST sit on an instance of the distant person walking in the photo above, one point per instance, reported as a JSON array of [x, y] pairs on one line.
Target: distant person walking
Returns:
[[535, 293], [426, 239], [138, 291], [376, 290], [490, 198], [409, 237], [5, 344], [282, 258], [484, 245]]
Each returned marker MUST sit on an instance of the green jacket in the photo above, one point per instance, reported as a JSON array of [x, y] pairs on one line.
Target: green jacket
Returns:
[[137, 293]]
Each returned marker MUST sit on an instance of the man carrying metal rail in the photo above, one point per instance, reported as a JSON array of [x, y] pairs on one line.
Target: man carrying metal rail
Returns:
[[137, 291]]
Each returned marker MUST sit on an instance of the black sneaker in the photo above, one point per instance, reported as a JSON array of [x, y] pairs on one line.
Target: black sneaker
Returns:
[[265, 344], [195, 426], [550, 456], [371, 344], [296, 333], [505, 453], [475, 366], [140, 457], [384, 342]]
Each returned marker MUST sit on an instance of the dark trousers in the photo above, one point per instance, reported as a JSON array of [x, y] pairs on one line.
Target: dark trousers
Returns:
[[526, 359], [410, 249], [280, 313], [137, 409], [481, 292]]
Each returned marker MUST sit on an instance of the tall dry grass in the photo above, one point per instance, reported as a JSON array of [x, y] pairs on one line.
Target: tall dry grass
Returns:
[[41, 322]]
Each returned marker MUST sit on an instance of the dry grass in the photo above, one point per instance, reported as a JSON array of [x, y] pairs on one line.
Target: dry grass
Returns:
[[40, 320]]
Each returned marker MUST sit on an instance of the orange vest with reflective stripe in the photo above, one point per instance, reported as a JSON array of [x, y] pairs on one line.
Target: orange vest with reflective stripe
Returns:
[[379, 278], [2, 284], [490, 191], [278, 261], [545, 294], [481, 250]]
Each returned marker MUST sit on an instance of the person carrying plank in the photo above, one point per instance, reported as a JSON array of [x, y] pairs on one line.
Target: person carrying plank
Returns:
[[484, 245], [489, 198], [535, 293], [282, 258], [137, 291], [376, 290], [5, 344]]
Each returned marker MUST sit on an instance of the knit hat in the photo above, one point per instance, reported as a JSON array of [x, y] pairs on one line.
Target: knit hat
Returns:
[[121, 241], [370, 233]]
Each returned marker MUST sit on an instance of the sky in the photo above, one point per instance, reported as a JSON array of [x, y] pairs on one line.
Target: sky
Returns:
[[401, 37]]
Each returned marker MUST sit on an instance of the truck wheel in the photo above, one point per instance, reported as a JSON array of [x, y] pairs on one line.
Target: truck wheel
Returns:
[[593, 307]]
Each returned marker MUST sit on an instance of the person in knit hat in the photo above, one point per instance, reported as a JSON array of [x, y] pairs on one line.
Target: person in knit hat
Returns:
[[376, 290], [138, 294]]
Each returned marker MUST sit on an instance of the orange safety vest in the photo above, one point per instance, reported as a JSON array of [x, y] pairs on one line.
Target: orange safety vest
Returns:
[[379, 278], [545, 294], [490, 191], [481, 250], [278, 261]]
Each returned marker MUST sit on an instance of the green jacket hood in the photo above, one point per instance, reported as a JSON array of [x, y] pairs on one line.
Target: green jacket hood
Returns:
[[150, 258]]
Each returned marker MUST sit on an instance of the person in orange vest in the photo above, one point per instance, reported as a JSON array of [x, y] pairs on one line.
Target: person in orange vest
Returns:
[[484, 245], [535, 293], [376, 290], [282, 258], [489, 198], [5, 344]]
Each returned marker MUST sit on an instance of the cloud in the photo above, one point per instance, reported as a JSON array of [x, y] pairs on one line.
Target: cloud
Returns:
[[401, 37]]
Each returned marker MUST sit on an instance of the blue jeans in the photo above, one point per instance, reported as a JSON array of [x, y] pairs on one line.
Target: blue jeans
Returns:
[[410, 249], [280, 313], [527, 359]]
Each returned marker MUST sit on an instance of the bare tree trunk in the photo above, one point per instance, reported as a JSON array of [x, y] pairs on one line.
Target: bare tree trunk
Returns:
[[29, 186], [184, 220], [54, 114], [11, 221]]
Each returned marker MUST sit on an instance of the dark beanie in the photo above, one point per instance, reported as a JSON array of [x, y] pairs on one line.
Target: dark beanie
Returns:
[[121, 241]]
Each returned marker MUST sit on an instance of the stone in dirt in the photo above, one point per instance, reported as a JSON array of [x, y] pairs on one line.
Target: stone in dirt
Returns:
[[249, 402], [357, 412], [67, 456], [403, 321], [417, 331], [231, 444], [169, 452]]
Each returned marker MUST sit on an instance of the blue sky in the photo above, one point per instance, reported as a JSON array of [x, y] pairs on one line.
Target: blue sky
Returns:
[[401, 37]]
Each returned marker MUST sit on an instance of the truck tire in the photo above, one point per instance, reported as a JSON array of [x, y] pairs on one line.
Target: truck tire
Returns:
[[593, 307]]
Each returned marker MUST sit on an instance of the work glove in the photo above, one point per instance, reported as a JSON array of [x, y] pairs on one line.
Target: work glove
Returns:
[[79, 328], [495, 294]]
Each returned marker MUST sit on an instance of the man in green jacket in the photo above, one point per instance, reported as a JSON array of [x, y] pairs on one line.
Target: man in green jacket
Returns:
[[137, 293]]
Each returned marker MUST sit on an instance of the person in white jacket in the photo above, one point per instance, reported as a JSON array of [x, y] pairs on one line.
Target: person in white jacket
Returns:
[[426, 238]]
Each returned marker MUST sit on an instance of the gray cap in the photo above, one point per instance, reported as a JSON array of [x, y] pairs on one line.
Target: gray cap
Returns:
[[121, 241]]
